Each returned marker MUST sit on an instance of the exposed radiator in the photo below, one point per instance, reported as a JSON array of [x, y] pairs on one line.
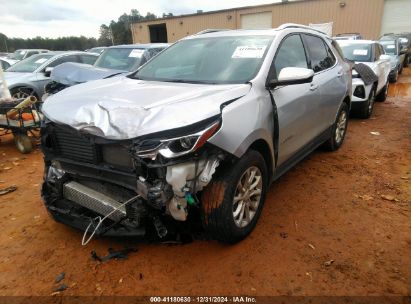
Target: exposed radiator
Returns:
[[72, 146], [93, 200]]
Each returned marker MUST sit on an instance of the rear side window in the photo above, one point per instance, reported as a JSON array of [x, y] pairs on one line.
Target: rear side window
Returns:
[[320, 54], [68, 58], [290, 54], [88, 59]]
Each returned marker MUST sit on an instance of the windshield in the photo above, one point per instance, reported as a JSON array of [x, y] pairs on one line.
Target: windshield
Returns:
[[234, 59], [389, 47], [29, 65], [357, 52], [120, 59], [18, 55]]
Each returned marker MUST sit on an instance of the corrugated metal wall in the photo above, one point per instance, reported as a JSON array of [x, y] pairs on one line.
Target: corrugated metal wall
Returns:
[[363, 16]]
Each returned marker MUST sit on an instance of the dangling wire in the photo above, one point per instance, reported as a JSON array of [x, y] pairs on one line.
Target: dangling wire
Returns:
[[100, 220]]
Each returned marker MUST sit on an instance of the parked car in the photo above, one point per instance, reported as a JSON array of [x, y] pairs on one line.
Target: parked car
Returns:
[[97, 50], [202, 128], [114, 60], [21, 54], [405, 43], [372, 54], [393, 48], [29, 76], [5, 64], [348, 36]]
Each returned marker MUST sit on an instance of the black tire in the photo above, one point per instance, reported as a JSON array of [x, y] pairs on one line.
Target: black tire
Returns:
[[23, 143], [217, 201], [382, 96], [366, 109], [332, 144], [395, 78]]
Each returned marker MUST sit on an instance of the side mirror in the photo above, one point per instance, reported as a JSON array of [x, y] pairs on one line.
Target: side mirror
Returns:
[[47, 71], [385, 57], [290, 76]]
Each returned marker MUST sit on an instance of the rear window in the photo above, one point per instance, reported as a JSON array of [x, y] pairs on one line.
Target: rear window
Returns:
[[357, 52], [390, 47]]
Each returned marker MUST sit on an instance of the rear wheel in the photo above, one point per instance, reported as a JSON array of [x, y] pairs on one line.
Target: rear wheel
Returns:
[[339, 129], [23, 143], [232, 203]]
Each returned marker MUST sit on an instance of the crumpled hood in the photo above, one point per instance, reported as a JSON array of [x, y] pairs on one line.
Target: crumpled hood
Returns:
[[72, 73], [124, 108]]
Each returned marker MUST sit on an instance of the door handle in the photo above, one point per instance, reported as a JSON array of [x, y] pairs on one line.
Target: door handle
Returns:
[[339, 74], [313, 87]]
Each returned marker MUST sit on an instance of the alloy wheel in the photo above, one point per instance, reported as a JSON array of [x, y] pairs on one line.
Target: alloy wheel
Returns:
[[341, 127], [247, 196]]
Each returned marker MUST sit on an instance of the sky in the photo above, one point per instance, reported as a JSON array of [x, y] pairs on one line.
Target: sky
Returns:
[[58, 18]]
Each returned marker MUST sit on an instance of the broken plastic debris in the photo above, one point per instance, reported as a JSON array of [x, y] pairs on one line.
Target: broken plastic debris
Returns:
[[62, 287], [375, 133], [60, 277], [113, 254], [8, 190]]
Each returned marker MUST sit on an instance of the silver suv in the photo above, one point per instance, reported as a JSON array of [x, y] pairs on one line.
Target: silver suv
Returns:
[[194, 137]]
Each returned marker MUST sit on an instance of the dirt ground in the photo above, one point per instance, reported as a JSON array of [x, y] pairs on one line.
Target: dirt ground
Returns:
[[351, 207]]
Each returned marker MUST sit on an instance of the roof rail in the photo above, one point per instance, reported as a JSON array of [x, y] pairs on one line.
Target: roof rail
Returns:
[[206, 31], [296, 25], [346, 34]]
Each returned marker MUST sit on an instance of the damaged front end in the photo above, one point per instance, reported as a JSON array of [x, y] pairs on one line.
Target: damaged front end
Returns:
[[145, 183]]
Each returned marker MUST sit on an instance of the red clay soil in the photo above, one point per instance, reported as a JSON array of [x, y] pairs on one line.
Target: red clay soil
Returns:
[[351, 207]]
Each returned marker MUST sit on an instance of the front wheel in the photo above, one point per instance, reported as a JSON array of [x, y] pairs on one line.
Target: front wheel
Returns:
[[339, 129], [366, 110], [382, 96], [232, 203]]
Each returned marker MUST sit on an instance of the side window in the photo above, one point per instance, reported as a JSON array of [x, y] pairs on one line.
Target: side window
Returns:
[[290, 54], [69, 58], [88, 59], [321, 58]]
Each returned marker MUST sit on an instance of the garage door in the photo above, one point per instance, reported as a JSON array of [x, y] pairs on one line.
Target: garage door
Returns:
[[396, 17], [258, 20]]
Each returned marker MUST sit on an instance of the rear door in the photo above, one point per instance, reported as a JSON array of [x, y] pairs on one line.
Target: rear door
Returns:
[[296, 104], [328, 81]]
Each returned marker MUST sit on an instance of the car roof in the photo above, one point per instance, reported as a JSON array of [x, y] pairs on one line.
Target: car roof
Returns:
[[357, 41], [256, 32], [140, 46]]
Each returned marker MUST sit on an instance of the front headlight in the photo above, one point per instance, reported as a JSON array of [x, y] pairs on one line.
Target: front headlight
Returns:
[[179, 146]]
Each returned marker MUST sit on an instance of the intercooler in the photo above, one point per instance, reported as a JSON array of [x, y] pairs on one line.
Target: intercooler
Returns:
[[93, 200]]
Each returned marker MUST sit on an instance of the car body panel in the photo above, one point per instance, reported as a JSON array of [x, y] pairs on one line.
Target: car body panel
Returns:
[[70, 74], [140, 107], [37, 79], [381, 68]]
